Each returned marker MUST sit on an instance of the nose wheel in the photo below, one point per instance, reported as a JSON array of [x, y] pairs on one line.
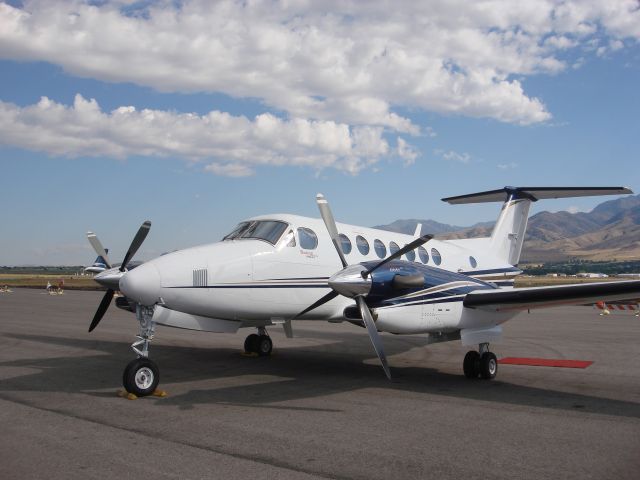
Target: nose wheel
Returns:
[[141, 377], [483, 364], [259, 343]]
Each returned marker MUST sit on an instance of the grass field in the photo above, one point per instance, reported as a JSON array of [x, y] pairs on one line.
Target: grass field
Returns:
[[74, 282], [71, 282]]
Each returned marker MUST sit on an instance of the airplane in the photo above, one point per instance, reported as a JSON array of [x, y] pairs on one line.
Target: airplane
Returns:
[[102, 263], [274, 269], [99, 264]]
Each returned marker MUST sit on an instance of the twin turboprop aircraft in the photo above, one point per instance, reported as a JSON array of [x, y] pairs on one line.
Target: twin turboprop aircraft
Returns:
[[273, 269]]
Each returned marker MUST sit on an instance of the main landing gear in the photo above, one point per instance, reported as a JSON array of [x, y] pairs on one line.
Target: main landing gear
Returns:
[[141, 376], [259, 343], [483, 364]]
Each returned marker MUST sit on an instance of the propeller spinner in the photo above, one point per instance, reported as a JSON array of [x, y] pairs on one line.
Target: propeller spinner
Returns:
[[354, 281], [111, 278]]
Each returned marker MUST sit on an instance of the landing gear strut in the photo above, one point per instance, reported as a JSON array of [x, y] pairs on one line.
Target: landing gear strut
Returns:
[[259, 343], [141, 376], [483, 364]]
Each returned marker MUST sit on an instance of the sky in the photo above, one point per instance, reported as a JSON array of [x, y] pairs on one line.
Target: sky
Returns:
[[197, 114]]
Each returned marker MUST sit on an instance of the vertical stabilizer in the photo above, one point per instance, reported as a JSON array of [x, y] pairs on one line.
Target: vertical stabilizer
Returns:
[[508, 234]]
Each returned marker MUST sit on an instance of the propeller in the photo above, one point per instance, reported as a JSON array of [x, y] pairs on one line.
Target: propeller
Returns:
[[352, 281], [109, 277], [102, 308]]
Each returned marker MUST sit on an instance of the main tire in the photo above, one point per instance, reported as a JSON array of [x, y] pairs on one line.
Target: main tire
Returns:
[[488, 365], [265, 345], [251, 343], [471, 364], [141, 377]]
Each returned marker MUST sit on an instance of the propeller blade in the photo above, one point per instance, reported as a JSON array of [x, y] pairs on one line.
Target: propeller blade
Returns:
[[135, 244], [373, 334], [102, 308], [330, 223], [329, 296], [97, 246], [407, 248]]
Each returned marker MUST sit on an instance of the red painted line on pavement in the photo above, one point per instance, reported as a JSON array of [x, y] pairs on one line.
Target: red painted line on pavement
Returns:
[[545, 362]]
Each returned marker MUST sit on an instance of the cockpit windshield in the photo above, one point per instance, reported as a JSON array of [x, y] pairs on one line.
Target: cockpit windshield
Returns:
[[267, 230]]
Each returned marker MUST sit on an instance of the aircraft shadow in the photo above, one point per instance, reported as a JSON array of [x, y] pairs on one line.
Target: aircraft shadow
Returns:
[[294, 374]]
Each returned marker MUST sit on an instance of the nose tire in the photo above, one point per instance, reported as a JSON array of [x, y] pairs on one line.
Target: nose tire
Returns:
[[141, 377]]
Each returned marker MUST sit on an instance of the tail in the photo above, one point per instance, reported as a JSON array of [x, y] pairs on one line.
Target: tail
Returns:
[[508, 233], [99, 264], [100, 261]]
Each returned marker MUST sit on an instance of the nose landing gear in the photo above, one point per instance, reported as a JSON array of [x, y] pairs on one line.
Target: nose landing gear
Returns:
[[259, 343], [483, 364], [141, 376]]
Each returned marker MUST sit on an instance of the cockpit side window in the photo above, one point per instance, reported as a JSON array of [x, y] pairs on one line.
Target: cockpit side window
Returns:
[[267, 230], [290, 239], [308, 238]]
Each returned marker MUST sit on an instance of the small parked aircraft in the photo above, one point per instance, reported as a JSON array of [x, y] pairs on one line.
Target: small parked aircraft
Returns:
[[102, 263], [99, 265], [273, 269]]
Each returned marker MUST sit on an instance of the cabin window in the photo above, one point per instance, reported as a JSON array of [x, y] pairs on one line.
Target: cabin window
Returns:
[[424, 256], [267, 230], [362, 244], [435, 256], [308, 238], [473, 262], [380, 249], [411, 255], [393, 247], [345, 243]]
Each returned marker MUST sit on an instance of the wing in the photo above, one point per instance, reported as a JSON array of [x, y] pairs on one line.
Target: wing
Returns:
[[541, 297]]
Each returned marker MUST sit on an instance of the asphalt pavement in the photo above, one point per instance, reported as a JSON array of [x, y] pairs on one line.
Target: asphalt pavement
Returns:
[[319, 407]]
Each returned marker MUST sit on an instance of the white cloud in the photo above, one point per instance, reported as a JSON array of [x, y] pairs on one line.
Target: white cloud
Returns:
[[333, 60], [453, 156], [232, 145], [507, 166], [406, 152]]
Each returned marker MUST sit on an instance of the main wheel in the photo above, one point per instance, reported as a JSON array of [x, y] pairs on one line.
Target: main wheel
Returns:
[[141, 377], [471, 364], [488, 365], [251, 343], [265, 345]]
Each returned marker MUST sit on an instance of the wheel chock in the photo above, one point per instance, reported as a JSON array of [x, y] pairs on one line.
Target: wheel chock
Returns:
[[249, 354], [159, 393], [127, 395]]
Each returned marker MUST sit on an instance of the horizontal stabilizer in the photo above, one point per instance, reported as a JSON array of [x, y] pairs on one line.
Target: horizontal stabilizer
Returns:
[[541, 297], [534, 194]]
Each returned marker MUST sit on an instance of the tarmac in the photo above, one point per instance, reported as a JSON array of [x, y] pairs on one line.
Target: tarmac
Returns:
[[319, 407]]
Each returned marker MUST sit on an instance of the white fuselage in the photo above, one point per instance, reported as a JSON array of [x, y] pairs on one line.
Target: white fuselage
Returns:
[[251, 282]]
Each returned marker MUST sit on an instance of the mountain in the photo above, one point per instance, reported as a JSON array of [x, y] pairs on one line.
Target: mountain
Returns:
[[611, 231], [428, 226]]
